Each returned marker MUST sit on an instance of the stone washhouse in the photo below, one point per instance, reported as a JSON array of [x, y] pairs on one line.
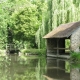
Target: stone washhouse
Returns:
[[57, 37]]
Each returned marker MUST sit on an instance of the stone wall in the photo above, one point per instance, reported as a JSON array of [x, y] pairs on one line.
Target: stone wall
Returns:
[[75, 40]]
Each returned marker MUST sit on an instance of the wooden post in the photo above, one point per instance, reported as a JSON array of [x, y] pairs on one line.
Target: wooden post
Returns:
[[57, 48]]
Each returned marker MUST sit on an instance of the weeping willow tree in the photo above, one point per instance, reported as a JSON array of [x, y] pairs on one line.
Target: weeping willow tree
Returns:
[[43, 29], [57, 12]]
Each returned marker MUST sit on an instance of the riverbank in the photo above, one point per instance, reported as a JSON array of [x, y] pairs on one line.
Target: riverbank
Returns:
[[40, 52]]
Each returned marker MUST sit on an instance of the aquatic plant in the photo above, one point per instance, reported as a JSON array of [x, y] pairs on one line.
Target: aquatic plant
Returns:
[[75, 57], [75, 65]]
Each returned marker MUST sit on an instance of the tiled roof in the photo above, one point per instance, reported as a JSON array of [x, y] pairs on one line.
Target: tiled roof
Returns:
[[64, 30]]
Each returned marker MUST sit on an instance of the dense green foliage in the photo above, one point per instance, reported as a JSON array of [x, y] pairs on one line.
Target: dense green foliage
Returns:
[[75, 57], [24, 18], [25, 24], [58, 12], [30, 20]]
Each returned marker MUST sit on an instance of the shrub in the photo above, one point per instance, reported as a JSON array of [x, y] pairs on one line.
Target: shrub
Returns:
[[75, 56]]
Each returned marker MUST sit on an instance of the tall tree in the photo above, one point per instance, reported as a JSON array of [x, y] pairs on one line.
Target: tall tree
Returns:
[[23, 17], [58, 12], [25, 23]]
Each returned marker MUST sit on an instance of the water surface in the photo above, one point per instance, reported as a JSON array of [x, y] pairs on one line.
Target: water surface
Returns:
[[13, 67]]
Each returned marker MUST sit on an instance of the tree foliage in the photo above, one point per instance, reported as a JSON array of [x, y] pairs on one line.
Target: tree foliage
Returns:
[[58, 12], [23, 17], [25, 22]]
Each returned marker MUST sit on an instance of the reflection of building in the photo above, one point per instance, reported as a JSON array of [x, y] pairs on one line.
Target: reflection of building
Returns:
[[56, 39], [75, 74], [56, 69]]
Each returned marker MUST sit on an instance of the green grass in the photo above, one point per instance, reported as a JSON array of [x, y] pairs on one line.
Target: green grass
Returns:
[[34, 51]]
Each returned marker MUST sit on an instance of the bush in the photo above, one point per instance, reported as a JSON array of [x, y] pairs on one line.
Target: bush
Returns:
[[75, 56]]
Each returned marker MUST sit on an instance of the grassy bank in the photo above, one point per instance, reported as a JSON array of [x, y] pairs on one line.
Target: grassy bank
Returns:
[[40, 52]]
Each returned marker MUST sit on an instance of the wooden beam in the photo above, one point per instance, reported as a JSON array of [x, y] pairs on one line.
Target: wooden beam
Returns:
[[62, 48]]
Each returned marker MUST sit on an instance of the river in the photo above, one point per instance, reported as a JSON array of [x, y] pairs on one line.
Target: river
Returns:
[[14, 67]]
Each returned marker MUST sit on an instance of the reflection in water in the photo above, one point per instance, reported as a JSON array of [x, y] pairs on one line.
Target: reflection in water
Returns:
[[75, 71], [14, 67], [75, 74], [56, 69], [22, 68]]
